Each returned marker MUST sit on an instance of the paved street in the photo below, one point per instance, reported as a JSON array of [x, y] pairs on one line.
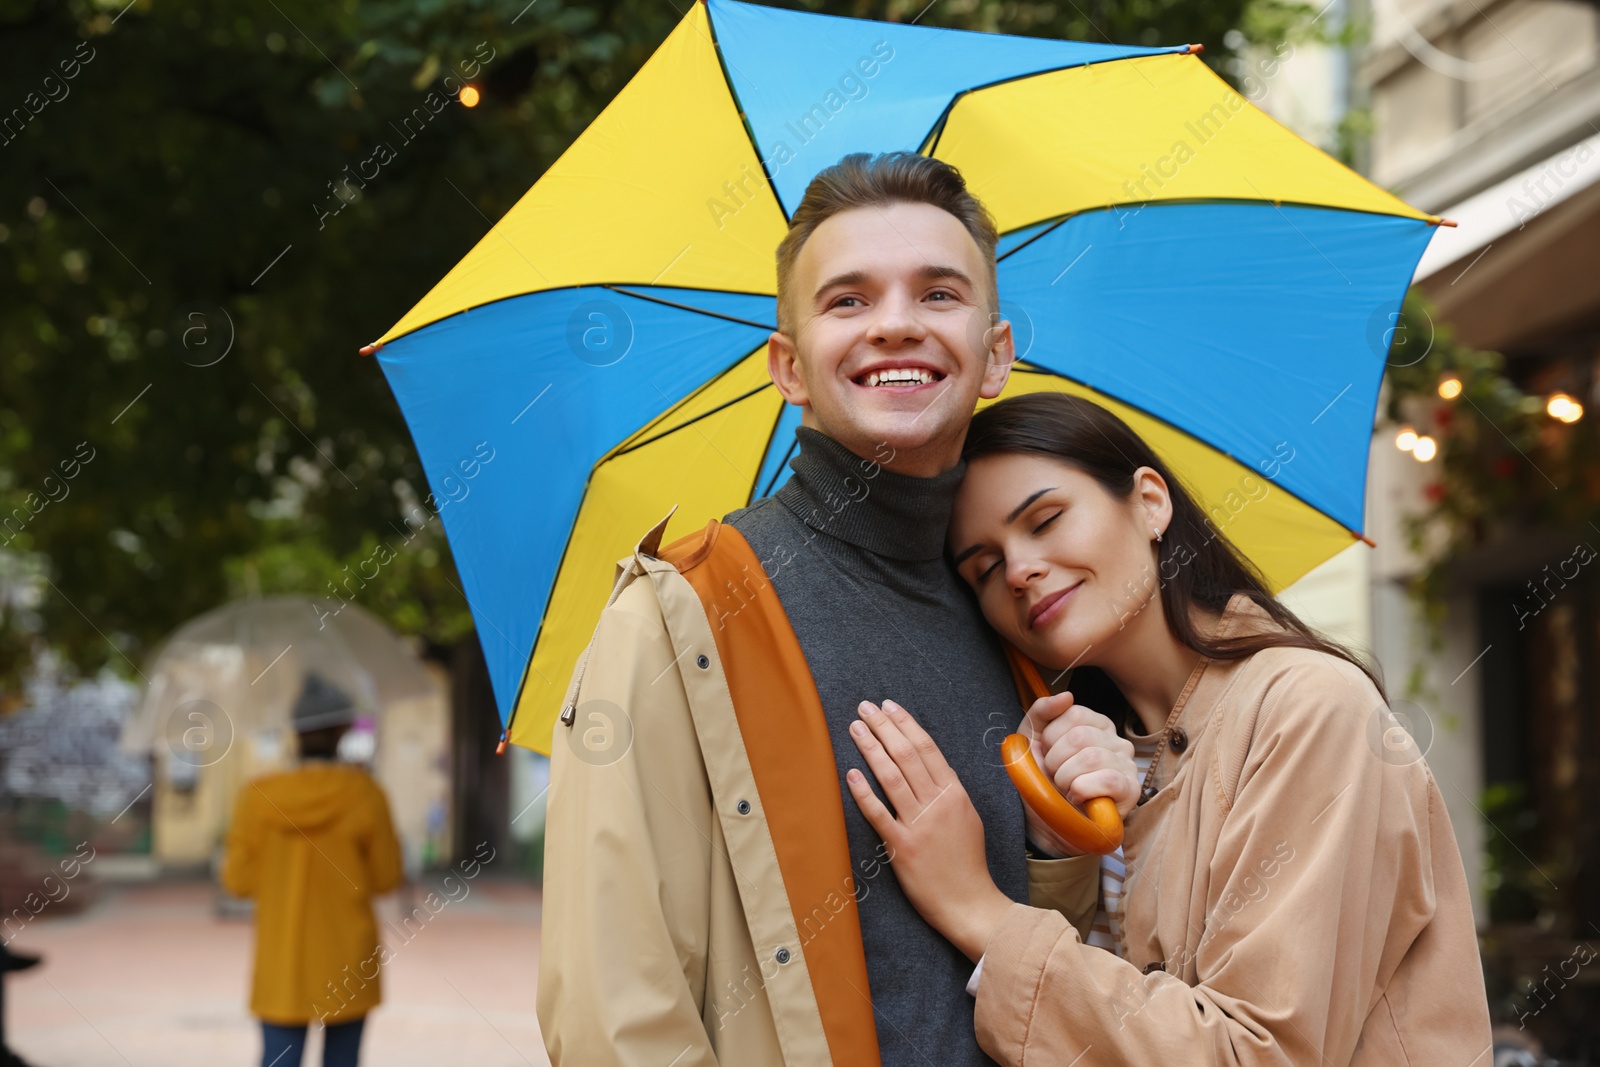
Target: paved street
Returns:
[[150, 976]]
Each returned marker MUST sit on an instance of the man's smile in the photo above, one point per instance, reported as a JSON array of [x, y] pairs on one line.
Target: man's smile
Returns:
[[898, 375]]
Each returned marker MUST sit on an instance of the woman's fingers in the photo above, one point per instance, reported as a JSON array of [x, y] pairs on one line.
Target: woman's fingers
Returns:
[[877, 816], [1042, 713], [933, 760], [1079, 728], [885, 768], [1080, 739], [908, 759], [1087, 776], [1074, 717], [1087, 759], [938, 856], [1123, 790]]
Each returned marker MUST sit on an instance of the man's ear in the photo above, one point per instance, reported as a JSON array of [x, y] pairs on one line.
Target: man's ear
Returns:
[[1000, 355], [783, 365]]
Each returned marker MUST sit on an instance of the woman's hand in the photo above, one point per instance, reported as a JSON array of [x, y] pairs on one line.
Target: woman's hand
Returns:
[[935, 836], [1084, 756]]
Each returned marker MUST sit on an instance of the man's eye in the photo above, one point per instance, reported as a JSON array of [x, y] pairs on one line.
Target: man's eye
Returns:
[[1046, 522], [842, 299]]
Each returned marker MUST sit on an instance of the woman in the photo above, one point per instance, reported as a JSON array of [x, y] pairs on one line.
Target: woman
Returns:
[[1293, 894]]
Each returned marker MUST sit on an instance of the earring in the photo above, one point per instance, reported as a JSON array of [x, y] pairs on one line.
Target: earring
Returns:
[[1157, 530]]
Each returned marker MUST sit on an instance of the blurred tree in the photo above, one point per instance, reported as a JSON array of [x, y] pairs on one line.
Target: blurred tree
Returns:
[[183, 417]]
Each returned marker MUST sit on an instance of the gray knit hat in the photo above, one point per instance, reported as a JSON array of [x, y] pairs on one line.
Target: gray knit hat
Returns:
[[321, 704]]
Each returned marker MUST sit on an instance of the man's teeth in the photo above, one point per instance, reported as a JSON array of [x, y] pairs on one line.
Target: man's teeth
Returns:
[[900, 376]]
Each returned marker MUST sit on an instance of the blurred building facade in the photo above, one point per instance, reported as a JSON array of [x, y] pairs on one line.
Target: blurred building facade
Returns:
[[1488, 113]]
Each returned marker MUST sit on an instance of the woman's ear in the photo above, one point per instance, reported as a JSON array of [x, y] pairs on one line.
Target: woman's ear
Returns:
[[1151, 494]]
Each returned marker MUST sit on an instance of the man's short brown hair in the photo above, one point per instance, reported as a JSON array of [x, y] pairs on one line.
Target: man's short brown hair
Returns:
[[863, 180]]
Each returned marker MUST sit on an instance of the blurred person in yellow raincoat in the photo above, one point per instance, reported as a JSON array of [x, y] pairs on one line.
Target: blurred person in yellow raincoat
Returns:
[[313, 846]]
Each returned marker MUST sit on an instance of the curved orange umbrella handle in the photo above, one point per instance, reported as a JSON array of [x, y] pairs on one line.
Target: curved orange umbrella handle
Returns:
[[1099, 831]]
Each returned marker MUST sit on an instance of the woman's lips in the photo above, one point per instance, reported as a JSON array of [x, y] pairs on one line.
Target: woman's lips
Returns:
[[1051, 606]]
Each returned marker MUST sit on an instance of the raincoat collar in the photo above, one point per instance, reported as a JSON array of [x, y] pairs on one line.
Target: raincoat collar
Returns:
[[1209, 683], [836, 492]]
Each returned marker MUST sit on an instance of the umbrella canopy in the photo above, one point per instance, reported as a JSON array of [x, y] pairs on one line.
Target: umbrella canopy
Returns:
[[1167, 250], [260, 666]]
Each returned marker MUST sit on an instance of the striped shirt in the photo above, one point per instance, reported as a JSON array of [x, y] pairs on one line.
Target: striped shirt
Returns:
[[1106, 932]]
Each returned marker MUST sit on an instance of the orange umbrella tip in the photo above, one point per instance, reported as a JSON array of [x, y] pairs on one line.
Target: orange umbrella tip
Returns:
[[1364, 539], [372, 349], [1439, 221], [1194, 49], [500, 749]]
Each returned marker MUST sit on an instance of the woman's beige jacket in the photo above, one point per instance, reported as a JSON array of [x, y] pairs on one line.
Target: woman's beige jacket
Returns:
[[1294, 896]]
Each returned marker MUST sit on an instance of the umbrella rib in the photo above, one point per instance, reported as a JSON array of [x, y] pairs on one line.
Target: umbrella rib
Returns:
[[528, 668], [1042, 233], [675, 406], [766, 450], [690, 307], [793, 443], [1047, 373], [691, 422], [1263, 201], [936, 131], [724, 63]]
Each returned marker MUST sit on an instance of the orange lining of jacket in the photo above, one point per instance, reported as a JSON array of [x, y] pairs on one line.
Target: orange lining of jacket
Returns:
[[791, 754]]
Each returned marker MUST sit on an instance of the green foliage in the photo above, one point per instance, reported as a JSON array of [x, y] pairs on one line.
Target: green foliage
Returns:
[[1518, 891], [1503, 463], [186, 289]]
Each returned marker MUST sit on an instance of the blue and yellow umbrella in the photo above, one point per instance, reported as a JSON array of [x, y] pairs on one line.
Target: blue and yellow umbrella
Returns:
[[1167, 250]]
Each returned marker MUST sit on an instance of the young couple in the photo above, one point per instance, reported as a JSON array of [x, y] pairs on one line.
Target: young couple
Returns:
[[810, 852]]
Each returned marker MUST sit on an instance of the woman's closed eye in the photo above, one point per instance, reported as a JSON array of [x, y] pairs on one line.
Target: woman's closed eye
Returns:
[[999, 562]]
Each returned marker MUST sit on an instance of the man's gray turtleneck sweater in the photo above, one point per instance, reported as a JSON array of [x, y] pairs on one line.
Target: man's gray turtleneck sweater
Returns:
[[856, 554]]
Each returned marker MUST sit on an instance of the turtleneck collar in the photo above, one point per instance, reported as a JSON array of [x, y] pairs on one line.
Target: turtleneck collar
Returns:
[[836, 492]]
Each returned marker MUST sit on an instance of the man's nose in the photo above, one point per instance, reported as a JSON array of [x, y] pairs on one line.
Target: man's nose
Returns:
[[895, 320]]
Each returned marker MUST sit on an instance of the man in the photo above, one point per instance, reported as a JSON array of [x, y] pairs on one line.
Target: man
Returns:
[[711, 897], [313, 846]]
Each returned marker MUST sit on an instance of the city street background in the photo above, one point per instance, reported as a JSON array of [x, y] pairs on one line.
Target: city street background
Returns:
[[151, 974], [207, 497]]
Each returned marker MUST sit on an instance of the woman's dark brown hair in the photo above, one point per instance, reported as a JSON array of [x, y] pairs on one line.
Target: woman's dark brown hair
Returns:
[[1206, 570]]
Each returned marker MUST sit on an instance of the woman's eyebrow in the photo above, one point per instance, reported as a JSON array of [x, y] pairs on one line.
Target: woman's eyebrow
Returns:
[[1018, 510], [964, 553]]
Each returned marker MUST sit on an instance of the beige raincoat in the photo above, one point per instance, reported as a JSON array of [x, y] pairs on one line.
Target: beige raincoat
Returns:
[[700, 898]]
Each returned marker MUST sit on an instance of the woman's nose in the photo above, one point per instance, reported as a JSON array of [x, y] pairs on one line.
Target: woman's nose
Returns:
[[1023, 573]]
